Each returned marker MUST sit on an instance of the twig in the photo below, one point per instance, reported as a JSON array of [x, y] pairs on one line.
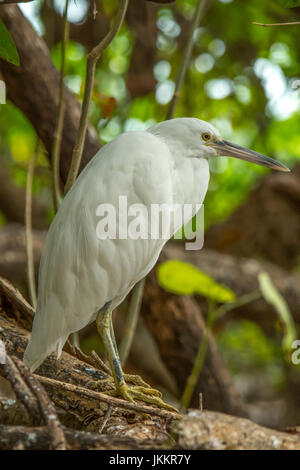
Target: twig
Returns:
[[47, 409], [37, 438], [93, 360], [201, 401], [213, 315], [92, 60], [5, 2], [117, 402], [194, 375], [132, 319], [239, 302], [292, 23], [33, 396], [101, 364], [10, 371], [159, 1], [17, 300], [105, 419], [28, 225], [57, 195], [186, 56]]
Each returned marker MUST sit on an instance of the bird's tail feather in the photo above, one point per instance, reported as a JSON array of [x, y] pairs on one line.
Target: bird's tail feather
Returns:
[[33, 358]]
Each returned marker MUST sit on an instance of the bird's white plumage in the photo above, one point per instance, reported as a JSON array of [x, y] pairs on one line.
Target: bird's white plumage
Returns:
[[79, 273]]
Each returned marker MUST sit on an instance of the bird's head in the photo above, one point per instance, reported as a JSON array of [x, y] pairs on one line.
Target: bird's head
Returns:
[[191, 137]]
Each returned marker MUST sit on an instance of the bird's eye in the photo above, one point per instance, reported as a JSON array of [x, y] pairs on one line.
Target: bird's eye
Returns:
[[206, 136]]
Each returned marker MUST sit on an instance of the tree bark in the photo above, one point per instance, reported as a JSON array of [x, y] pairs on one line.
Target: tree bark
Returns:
[[17, 438], [215, 431], [68, 382], [206, 430], [141, 18]]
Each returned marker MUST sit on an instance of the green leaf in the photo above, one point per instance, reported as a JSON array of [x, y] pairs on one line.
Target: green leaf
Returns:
[[185, 279], [273, 297], [8, 50], [289, 3]]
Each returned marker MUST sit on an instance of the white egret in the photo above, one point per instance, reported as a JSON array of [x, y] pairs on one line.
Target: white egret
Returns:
[[83, 277]]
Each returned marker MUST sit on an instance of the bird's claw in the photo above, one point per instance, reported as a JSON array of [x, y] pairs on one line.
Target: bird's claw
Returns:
[[136, 380], [145, 394], [139, 391], [125, 391]]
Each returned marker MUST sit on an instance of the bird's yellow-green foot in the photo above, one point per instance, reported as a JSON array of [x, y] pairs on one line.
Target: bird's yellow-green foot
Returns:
[[140, 390], [131, 393], [145, 394]]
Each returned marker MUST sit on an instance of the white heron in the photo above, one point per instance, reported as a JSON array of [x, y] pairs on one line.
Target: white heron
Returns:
[[82, 277]]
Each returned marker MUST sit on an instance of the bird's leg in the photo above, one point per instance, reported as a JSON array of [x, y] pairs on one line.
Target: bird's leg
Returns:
[[135, 379], [149, 395]]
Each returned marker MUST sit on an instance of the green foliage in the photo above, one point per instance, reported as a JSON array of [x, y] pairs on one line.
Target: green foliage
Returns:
[[273, 297], [8, 49], [17, 134], [289, 3], [2, 219], [92, 343], [185, 279], [247, 349]]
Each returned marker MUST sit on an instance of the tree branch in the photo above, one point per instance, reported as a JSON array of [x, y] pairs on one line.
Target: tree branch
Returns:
[[34, 88], [92, 60], [28, 229], [208, 430], [186, 56], [292, 23], [16, 437], [7, 2], [57, 196], [131, 320], [158, 1]]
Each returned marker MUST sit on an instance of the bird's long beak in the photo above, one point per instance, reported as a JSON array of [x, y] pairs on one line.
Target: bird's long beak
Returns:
[[227, 149]]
